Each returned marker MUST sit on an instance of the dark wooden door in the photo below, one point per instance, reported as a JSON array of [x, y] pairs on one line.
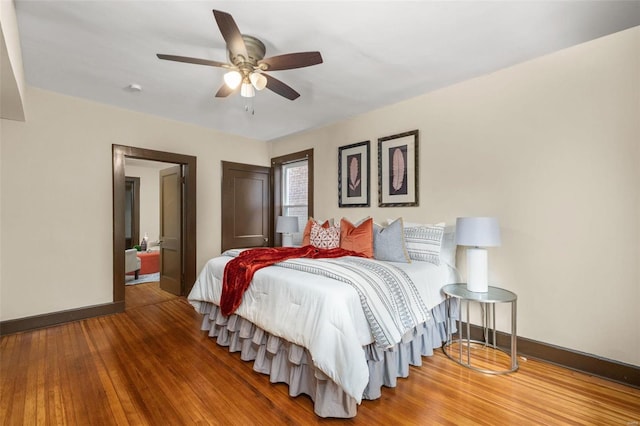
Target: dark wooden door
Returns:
[[246, 205], [171, 229], [132, 212]]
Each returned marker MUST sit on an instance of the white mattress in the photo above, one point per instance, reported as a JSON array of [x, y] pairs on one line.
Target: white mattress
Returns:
[[323, 315]]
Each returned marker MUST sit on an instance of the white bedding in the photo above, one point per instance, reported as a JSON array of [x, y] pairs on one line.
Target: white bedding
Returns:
[[323, 315]]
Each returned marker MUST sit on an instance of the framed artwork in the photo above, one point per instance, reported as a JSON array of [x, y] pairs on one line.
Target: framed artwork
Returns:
[[398, 170], [353, 175]]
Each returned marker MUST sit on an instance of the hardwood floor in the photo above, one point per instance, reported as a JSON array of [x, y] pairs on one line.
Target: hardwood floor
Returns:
[[136, 296], [152, 365]]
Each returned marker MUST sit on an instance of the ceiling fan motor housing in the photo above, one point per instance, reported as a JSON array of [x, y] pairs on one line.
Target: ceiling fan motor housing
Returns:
[[255, 50]]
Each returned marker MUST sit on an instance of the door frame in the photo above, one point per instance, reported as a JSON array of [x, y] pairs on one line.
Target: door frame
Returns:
[[119, 154]]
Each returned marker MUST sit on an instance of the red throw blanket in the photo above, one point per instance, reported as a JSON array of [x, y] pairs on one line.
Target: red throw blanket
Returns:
[[239, 271]]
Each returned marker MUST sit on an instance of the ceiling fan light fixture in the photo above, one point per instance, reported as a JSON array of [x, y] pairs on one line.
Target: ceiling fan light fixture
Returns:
[[258, 80], [232, 79], [247, 62], [246, 90]]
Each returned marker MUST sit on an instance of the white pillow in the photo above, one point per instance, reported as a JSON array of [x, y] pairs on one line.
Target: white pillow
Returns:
[[449, 246], [424, 242]]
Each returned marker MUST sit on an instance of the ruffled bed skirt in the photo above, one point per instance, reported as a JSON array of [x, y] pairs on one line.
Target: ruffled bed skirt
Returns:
[[286, 362]]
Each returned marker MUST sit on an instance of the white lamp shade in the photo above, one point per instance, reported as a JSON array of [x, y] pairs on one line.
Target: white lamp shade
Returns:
[[232, 79], [258, 80], [287, 224], [247, 90], [478, 232]]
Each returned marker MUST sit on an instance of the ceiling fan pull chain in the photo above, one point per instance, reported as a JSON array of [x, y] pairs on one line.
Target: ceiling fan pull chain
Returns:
[[248, 106]]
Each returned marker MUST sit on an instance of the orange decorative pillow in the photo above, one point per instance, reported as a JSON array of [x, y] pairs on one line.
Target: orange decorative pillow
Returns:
[[357, 238], [306, 240]]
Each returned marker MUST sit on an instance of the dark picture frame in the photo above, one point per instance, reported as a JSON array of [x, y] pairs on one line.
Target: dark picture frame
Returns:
[[398, 170], [354, 175]]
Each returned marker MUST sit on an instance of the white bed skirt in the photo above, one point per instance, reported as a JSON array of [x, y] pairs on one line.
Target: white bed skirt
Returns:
[[286, 362]]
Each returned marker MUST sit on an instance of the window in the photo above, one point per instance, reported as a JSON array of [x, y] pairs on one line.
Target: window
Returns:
[[293, 190], [295, 194]]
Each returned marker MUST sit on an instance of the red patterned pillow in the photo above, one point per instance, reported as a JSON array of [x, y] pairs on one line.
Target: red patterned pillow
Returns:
[[325, 238], [306, 234]]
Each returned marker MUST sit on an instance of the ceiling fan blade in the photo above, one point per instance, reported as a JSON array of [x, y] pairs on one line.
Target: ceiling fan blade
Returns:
[[291, 61], [193, 60], [230, 33], [225, 91], [280, 88]]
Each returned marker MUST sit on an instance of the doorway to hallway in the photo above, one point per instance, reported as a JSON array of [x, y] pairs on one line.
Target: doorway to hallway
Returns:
[[183, 266]]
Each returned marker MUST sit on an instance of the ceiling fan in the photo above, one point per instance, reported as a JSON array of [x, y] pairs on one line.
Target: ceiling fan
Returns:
[[247, 62]]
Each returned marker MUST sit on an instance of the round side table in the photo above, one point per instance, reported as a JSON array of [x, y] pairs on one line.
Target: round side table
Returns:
[[489, 299]]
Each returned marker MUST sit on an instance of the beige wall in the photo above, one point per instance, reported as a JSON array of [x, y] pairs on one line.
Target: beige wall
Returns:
[[57, 202], [552, 148]]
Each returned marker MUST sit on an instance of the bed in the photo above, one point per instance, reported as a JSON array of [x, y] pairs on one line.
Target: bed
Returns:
[[313, 330]]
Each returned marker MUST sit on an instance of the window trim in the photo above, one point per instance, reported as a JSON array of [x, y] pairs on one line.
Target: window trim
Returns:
[[276, 186]]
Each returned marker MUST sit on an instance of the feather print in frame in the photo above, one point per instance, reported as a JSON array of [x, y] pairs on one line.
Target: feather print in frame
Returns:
[[354, 175], [398, 170]]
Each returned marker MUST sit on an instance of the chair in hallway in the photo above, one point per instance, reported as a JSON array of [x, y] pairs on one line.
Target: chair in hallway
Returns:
[[132, 262]]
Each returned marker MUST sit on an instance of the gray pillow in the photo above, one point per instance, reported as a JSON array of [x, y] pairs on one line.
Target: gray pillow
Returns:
[[388, 243]]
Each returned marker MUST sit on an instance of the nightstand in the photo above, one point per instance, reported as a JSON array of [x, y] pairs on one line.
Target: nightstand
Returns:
[[488, 300]]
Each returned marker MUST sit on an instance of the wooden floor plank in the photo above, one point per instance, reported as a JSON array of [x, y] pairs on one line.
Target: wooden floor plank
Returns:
[[57, 413], [152, 365]]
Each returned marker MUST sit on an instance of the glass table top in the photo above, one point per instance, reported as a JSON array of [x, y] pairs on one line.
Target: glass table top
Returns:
[[494, 295]]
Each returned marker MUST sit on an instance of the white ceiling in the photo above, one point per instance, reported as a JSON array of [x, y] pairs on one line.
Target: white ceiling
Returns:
[[375, 53]]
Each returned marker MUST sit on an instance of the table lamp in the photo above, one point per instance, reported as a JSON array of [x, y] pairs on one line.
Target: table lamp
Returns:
[[477, 233], [287, 225]]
